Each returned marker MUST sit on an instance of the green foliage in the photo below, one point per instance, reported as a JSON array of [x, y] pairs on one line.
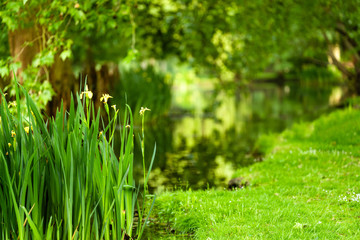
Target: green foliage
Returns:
[[71, 30], [249, 37], [60, 179], [40, 93], [232, 41]]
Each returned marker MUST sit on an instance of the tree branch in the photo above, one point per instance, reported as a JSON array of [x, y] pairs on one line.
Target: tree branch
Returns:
[[337, 63], [349, 41]]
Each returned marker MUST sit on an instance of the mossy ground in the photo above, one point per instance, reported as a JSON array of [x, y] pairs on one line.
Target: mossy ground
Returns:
[[306, 188]]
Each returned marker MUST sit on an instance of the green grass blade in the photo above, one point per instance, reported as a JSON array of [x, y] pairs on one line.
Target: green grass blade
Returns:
[[147, 217], [33, 227], [151, 164], [12, 195]]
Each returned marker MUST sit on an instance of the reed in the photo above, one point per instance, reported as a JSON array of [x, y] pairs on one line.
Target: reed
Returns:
[[60, 178]]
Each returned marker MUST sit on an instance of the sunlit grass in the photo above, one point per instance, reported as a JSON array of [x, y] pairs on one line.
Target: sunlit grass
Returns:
[[307, 187], [60, 179]]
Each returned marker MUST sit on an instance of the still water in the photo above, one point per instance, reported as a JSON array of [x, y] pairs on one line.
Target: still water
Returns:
[[206, 136]]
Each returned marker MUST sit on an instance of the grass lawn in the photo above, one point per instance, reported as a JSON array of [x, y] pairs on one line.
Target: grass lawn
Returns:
[[307, 187]]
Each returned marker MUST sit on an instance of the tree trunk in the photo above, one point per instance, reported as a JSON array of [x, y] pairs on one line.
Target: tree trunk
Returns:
[[24, 45], [100, 81], [356, 84], [63, 82]]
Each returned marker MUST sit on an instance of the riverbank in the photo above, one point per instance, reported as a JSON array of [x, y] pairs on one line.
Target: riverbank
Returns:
[[307, 187]]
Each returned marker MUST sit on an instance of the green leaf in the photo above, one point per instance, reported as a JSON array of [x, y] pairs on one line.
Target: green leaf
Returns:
[[43, 58], [79, 15], [48, 58], [131, 55], [4, 71], [10, 22], [33, 226], [65, 54], [14, 6]]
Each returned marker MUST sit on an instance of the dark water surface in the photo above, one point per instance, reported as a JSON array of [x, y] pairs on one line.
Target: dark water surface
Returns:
[[202, 146]]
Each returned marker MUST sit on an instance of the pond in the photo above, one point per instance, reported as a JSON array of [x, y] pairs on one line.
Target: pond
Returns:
[[205, 137]]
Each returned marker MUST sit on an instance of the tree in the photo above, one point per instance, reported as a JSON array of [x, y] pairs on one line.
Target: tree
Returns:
[[44, 36], [231, 40], [239, 39]]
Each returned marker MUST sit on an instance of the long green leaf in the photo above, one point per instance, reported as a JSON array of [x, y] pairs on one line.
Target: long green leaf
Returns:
[[33, 227]]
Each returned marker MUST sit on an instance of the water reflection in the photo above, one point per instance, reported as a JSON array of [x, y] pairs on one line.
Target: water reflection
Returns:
[[201, 147]]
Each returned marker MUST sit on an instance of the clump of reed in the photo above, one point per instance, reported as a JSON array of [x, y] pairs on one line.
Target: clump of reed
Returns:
[[60, 178]]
